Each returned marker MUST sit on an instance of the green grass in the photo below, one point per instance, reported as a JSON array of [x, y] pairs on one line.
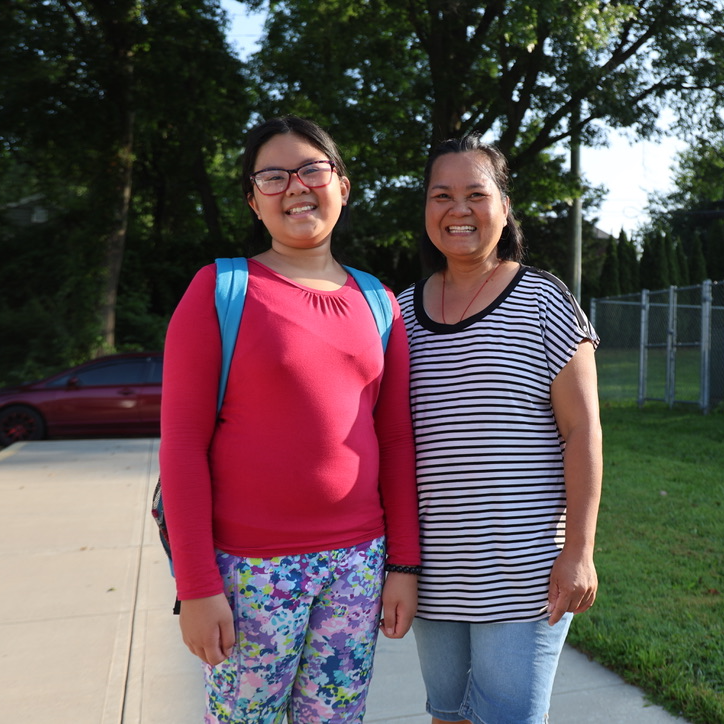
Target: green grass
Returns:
[[618, 373], [659, 617]]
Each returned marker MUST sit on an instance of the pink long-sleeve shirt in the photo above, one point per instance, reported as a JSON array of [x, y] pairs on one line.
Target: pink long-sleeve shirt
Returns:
[[313, 449]]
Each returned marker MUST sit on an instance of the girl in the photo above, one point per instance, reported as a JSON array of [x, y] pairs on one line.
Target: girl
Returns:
[[285, 510]]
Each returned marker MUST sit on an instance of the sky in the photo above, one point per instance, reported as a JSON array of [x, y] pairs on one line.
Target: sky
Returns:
[[629, 170]]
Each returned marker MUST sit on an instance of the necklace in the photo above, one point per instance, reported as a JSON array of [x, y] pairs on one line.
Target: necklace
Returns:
[[475, 296]]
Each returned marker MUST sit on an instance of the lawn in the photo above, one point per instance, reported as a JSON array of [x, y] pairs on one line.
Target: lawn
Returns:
[[618, 374], [659, 617]]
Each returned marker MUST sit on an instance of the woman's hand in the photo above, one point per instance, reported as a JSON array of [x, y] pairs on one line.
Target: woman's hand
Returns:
[[399, 604], [207, 626], [573, 584]]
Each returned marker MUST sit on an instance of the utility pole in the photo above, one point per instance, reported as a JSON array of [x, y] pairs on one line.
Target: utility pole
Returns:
[[575, 234]]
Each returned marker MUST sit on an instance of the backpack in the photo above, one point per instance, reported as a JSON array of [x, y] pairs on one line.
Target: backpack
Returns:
[[232, 278]]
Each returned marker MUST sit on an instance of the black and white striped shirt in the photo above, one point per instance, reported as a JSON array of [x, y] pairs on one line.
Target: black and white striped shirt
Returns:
[[489, 454]]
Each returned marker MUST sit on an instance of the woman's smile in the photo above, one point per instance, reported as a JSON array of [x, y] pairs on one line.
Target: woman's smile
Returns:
[[461, 229]]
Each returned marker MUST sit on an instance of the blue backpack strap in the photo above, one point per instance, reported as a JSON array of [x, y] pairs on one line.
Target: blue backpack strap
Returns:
[[232, 280], [378, 300]]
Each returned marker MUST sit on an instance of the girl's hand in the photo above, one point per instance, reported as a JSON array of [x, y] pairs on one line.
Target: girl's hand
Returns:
[[207, 626], [399, 604]]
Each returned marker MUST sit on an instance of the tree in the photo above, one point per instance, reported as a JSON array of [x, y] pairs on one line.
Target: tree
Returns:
[[714, 249], [610, 283], [672, 261], [655, 272], [187, 206], [126, 116], [518, 67], [694, 210], [389, 80], [697, 263], [682, 264], [72, 97], [628, 265], [131, 142]]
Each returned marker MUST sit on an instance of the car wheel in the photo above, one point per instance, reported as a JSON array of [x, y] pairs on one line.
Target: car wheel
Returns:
[[18, 422]]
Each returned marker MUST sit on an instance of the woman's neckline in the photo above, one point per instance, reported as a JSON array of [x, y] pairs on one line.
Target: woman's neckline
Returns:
[[431, 323]]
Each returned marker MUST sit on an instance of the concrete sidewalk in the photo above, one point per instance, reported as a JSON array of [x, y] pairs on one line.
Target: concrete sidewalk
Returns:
[[86, 630]]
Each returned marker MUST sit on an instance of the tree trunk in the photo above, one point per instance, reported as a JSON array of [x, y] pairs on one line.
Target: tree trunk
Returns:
[[119, 24], [116, 240], [208, 199]]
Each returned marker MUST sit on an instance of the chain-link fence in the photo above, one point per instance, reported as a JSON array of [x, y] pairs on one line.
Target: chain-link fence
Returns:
[[665, 345]]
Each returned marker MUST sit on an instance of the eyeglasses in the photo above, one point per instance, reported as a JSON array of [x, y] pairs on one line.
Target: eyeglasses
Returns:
[[313, 175]]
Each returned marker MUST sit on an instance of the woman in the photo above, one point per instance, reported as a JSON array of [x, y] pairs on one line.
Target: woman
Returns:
[[505, 412], [279, 509]]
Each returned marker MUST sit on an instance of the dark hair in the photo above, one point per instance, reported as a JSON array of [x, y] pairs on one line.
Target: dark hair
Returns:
[[510, 246], [264, 132]]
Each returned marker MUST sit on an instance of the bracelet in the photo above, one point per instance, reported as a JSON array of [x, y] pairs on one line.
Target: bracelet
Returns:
[[391, 568]]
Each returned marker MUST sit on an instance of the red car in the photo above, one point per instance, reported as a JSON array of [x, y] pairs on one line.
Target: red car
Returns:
[[115, 395]]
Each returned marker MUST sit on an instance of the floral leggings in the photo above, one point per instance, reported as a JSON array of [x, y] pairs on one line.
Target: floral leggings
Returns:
[[306, 628]]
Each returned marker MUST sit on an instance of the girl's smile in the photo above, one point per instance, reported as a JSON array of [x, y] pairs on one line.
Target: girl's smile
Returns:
[[300, 208]]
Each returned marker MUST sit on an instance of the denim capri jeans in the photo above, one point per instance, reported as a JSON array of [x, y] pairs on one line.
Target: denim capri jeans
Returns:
[[490, 673]]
